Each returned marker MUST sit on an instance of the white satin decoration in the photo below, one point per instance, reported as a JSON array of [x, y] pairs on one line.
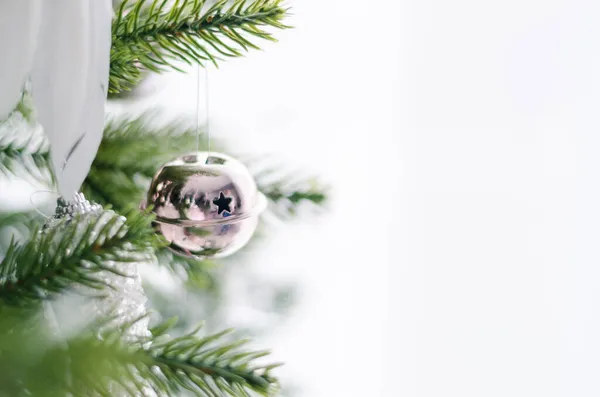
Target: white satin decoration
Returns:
[[64, 45], [19, 26], [70, 83]]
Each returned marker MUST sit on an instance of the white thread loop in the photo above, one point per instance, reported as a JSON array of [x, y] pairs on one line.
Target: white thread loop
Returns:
[[206, 96], [197, 108], [37, 205]]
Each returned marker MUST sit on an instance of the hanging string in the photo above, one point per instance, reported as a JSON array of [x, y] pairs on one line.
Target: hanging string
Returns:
[[60, 172], [207, 110], [36, 205], [206, 96], [197, 108]]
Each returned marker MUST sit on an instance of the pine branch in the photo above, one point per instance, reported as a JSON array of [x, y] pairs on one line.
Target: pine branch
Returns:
[[148, 35], [16, 226], [204, 366], [132, 151], [108, 361], [287, 192], [141, 145], [19, 218], [286, 199], [73, 252], [130, 154], [199, 273], [23, 146], [210, 366]]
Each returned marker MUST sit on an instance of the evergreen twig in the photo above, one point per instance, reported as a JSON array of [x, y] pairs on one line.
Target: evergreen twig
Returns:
[[209, 365], [24, 149], [74, 252], [286, 190], [129, 155], [149, 35], [107, 360], [286, 197], [132, 151], [196, 271]]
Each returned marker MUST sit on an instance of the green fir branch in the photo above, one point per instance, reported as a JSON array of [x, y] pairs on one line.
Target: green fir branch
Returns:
[[74, 252], [142, 144], [150, 35], [287, 192], [24, 150], [130, 154], [204, 366], [286, 200], [16, 226], [199, 273], [209, 365], [133, 150], [27, 219], [108, 360]]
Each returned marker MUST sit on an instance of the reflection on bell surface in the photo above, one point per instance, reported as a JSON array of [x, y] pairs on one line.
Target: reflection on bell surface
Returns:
[[206, 204]]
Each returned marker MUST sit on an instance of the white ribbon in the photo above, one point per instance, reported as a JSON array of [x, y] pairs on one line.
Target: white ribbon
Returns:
[[65, 46]]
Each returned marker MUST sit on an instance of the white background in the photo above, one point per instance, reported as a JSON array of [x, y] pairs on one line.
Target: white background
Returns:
[[459, 257], [461, 137]]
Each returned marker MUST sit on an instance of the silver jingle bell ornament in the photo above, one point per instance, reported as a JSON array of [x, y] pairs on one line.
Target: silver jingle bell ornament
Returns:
[[206, 204]]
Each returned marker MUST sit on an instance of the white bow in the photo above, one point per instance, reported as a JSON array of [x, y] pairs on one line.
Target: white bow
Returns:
[[65, 46]]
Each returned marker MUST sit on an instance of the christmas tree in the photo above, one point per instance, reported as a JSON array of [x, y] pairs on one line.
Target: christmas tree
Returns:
[[73, 318]]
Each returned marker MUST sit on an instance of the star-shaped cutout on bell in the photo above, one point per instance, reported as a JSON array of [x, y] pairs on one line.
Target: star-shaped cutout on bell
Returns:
[[223, 203]]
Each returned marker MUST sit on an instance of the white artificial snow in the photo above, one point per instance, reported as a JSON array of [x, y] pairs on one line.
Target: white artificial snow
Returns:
[[20, 179]]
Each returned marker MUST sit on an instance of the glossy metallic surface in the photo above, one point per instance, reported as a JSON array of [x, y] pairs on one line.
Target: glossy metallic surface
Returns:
[[183, 194]]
